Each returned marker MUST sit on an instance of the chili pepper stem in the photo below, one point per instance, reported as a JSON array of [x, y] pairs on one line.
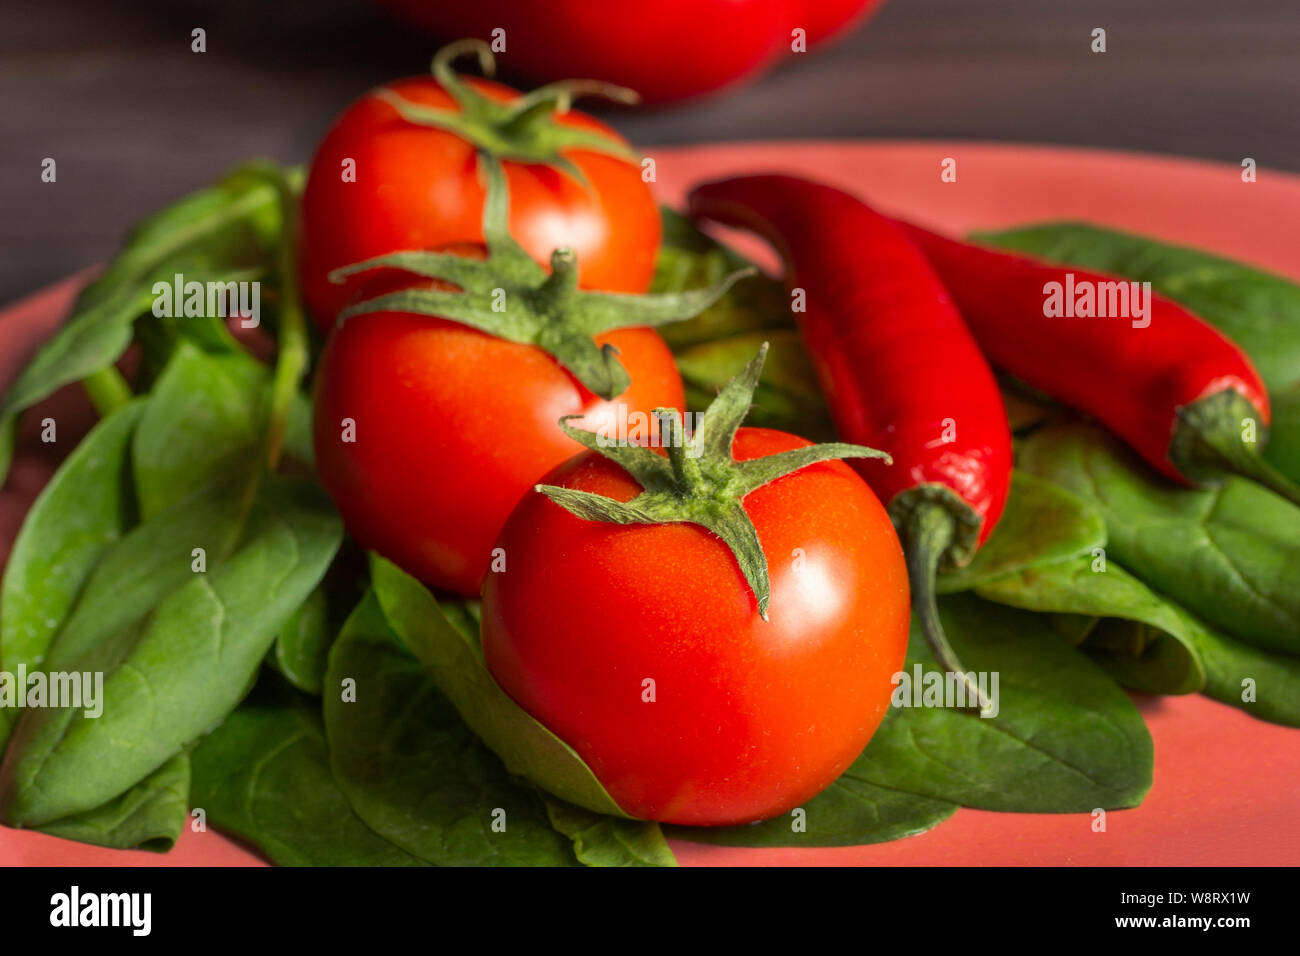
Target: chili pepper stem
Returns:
[[1256, 469], [1207, 445], [928, 533], [107, 390]]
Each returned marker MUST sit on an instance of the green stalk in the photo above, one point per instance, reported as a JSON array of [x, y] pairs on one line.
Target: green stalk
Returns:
[[291, 358], [928, 533], [107, 389], [1207, 445]]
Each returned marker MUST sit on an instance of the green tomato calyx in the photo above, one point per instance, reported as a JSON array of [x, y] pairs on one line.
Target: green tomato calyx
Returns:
[[510, 296], [699, 481], [524, 129]]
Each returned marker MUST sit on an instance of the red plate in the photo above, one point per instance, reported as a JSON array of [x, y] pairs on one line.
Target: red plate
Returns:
[[1225, 787]]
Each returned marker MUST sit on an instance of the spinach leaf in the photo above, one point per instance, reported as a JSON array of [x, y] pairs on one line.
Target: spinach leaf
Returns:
[[1157, 657], [178, 649], [204, 419], [8, 438], [410, 767], [1042, 523], [85, 508], [1274, 678], [149, 816], [264, 775], [1283, 449], [787, 396], [1229, 555], [454, 659], [227, 232], [689, 259], [301, 651], [852, 811], [602, 840], [1256, 309], [1066, 738]]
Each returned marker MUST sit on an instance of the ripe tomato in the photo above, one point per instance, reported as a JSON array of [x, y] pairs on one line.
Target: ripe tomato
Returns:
[[749, 718], [452, 427], [668, 51], [671, 50], [417, 187]]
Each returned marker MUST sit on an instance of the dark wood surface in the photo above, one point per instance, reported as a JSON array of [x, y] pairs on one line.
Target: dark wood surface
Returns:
[[110, 89]]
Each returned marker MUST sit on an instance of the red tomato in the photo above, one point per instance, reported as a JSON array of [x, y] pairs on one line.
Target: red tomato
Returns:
[[417, 187], [749, 718], [666, 51], [452, 427]]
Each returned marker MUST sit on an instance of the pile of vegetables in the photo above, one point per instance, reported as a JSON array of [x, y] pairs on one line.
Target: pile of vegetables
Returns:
[[369, 585]]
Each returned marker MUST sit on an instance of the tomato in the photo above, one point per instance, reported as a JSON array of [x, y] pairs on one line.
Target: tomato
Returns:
[[452, 427], [666, 51], [749, 718], [417, 187], [671, 50]]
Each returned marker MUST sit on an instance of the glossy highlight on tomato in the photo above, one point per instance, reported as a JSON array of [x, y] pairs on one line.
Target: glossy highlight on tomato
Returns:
[[642, 646]]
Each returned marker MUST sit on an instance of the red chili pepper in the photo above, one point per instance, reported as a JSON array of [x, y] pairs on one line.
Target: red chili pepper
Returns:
[[899, 369], [1170, 384]]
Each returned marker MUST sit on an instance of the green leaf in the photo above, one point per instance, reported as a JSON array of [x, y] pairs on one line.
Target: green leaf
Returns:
[[852, 811], [264, 775], [601, 840], [204, 419], [178, 649], [1283, 449], [1258, 310], [455, 662], [1158, 658], [8, 438], [222, 233], [1043, 523], [1229, 555], [149, 816], [1066, 738], [787, 397], [1274, 678], [689, 259], [85, 508], [301, 651], [410, 767]]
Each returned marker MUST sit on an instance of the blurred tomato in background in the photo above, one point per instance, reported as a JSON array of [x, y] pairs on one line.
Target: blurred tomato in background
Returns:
[[666, 50]]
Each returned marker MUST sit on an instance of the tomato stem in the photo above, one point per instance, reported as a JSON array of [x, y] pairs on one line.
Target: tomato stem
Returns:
[[700, 482], [928, 533], [107, 389], [523, 129], [510, 296]]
